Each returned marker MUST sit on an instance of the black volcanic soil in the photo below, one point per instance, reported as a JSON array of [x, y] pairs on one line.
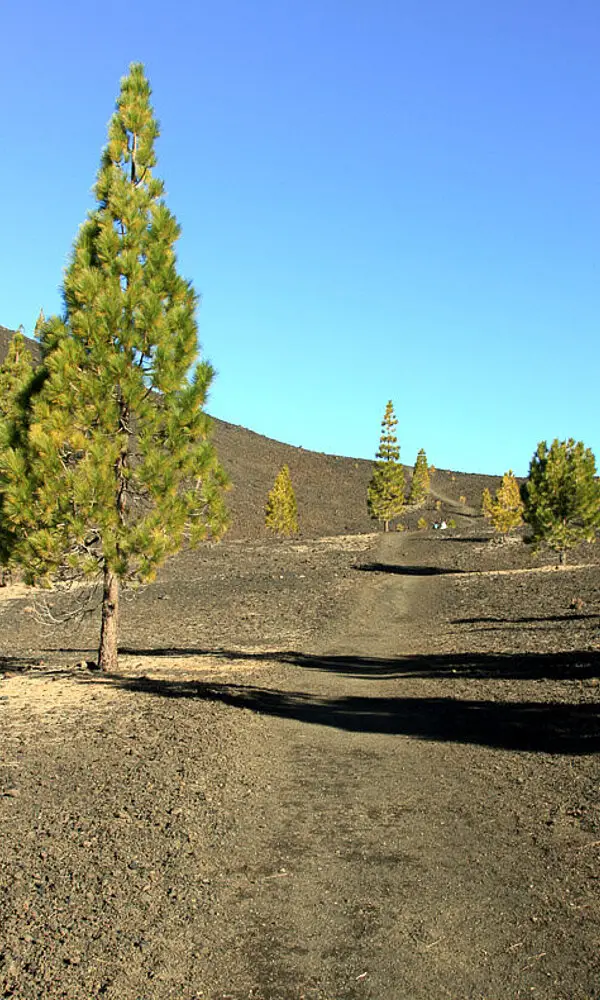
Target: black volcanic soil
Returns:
[[346, 767]]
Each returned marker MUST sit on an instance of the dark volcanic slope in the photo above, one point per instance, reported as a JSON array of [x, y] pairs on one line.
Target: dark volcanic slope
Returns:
[[6, 336], [330, 490]]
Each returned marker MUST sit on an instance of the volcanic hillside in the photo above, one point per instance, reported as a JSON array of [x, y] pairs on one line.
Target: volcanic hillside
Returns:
[[331, 490]]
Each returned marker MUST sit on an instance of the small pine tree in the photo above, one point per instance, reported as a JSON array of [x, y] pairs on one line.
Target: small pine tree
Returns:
[[506, 512], [281, 511], [15, 376], [116, 468], [419, 487], [385, 494], [562, 495], [487, 503]]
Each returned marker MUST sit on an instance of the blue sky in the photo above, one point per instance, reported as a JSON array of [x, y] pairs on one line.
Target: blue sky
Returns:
[[385, 200]]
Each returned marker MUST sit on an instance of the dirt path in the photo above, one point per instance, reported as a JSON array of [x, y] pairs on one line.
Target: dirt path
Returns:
[[406, 847], [364, 774]]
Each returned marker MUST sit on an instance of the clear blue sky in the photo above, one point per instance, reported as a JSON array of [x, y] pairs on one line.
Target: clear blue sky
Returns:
[[397, 199]]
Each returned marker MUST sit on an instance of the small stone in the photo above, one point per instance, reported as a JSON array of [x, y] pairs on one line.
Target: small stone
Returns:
[[11, 793]]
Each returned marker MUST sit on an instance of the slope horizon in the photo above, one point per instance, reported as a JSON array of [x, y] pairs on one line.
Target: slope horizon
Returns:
[[6, 333]]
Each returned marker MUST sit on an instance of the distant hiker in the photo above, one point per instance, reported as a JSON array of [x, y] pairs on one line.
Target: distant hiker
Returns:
[[443, 526]]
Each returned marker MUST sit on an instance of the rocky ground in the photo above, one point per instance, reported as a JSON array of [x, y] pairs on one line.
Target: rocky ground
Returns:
[[350, 767]]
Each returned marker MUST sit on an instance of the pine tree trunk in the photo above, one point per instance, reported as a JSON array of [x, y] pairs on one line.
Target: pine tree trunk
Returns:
[[386, 525], [108, 659], [562, 557]]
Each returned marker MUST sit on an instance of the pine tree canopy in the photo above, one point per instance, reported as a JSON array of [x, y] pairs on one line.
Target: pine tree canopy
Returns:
[[281, 511], [419, 487], [117, 467], [487, 503], [15, 376], [562, 495], [385, 493], [505, 510]]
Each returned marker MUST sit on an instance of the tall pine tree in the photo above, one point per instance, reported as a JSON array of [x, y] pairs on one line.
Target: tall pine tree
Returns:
[[117, 468], [385, 494], [562, 495]]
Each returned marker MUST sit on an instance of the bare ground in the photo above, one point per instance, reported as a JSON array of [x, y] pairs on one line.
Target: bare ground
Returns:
[[361, 767]]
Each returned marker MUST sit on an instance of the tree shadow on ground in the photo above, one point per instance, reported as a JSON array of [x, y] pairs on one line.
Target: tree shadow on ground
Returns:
[[578, 664], [478, 539], [493, 620], [519, 726], [447, 537], [377, 567], [17, 664]]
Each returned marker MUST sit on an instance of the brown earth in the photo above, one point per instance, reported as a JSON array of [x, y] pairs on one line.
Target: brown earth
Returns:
[[344, 768]]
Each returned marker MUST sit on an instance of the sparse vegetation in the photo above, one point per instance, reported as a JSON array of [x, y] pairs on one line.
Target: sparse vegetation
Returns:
[[113, 466], [462, 499], [422, 524], [281, 511], [419, 487], [562, 496], [385, 495], [487, 503], [505, 510]]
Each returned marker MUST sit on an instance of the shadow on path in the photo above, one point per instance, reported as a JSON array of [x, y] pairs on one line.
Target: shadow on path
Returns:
[[402, 570], [443, 536], [525, 726], [578, 664], [518, 621]]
